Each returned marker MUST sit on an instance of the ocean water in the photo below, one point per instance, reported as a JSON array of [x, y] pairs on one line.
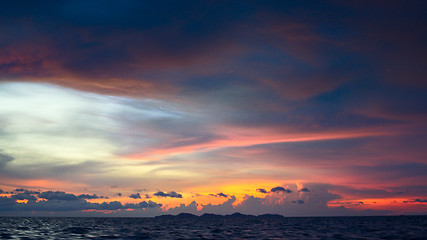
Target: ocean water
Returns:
[[393, 227]]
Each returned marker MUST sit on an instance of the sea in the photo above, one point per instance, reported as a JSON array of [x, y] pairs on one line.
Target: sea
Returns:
[[215, 227]]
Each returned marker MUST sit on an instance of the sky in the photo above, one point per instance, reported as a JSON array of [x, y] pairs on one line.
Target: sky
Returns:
[[143, 108]]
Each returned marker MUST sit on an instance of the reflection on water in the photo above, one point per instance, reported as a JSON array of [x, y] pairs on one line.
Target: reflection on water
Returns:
[[396, 227]]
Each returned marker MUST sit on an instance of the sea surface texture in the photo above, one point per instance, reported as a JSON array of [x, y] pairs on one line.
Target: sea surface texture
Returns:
[[191, 227]]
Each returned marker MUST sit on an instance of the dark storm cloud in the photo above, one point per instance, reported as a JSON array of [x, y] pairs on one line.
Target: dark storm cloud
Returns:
[[135, 196], [88, 196], [144, 204], [275, 189], [80, 204], [24, 196], [26, 191], [219, 195], [171, 194], [61, 201], [281, 189], [63, 196], [298, 57], [1, 192], [57, 195], [261, 190], [116, 40]]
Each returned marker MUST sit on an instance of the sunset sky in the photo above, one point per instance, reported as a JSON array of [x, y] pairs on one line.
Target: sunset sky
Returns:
[[143, 108]]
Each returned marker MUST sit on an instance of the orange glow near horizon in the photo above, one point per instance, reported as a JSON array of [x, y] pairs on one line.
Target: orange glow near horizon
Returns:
[[399, 205]]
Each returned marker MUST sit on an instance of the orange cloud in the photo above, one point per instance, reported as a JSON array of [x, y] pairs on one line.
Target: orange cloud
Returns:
[[240, 137]]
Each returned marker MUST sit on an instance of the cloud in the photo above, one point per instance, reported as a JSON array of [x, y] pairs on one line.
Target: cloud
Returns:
[[8, 204], [224, 208], [61, 201], [219, 195], [236, 78], [313, 58], [135, 196], [63, 196], [88, 196], [420, 200], [313, 203], [182, 208], [24, 196], [144, 204], [389, 172], [106, 54], [26, 191], [280, 189], [171, 194], [4, 159], [304, 190], [261, 190], [58, 195]]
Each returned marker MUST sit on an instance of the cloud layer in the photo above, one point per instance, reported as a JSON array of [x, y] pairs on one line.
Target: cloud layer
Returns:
[[287, 203], [175, 99]]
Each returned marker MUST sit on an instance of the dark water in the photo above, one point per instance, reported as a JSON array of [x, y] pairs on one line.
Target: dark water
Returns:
[[399, 227]]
